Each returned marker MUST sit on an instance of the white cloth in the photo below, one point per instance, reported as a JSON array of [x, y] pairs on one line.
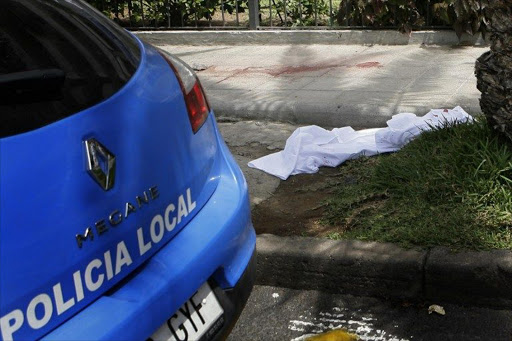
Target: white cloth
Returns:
[[311, 147]]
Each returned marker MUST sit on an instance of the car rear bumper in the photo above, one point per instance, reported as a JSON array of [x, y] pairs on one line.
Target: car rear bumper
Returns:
[[218, 246], [233, 300]]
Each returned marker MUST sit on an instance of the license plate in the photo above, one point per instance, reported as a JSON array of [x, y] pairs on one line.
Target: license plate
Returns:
[[200, 316]]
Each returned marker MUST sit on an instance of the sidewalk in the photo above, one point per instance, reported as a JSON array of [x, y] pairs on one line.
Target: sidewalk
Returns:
[[334, 85]]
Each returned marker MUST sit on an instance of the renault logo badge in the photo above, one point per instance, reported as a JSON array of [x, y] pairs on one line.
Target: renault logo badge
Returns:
[[101, 163]]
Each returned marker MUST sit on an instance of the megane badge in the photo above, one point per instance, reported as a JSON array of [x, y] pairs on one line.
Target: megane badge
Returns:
[[101, 163]]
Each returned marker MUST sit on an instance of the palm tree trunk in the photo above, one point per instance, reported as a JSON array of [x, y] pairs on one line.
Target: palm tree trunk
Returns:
[[494, 68]]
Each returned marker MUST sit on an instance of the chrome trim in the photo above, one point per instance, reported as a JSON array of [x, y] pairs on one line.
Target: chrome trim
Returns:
[[96, 151]]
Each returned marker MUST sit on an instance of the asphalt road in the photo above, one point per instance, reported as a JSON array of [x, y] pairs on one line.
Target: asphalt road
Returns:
[[284, 314]]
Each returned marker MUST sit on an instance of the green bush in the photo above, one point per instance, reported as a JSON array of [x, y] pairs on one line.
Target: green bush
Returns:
[[403, 14], [465, 15], [462, 15], [302, 13], [157, 12]]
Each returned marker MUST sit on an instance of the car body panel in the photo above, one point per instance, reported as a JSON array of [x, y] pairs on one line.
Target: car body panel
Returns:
[[146, 300], [48, 198]]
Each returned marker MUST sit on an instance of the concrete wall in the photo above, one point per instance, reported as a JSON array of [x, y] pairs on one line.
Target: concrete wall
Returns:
[[286, 37]]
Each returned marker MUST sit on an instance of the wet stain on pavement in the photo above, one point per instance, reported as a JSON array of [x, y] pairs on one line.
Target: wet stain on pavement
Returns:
[[302, 68], [334, 335], [368, 65], [293, 69]]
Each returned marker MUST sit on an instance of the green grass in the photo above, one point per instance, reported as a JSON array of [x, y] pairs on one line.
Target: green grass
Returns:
[[449, 187]]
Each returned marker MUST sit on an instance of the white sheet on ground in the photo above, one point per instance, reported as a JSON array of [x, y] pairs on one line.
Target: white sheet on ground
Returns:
[[311, 147]]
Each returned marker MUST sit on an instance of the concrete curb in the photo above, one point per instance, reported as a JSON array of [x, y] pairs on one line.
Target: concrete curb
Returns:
[[385, 270], [323, 113], [291, 37]]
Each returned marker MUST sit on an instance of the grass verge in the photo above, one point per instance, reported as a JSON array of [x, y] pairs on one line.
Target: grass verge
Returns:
[[449, 187]]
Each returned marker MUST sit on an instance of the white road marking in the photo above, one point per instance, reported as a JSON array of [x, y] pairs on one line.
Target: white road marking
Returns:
[[335, 319]]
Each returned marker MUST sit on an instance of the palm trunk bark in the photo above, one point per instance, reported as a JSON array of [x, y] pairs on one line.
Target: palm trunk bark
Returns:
[[494, 68]]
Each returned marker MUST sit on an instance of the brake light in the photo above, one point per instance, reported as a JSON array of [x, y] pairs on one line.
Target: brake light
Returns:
[[195, 99]]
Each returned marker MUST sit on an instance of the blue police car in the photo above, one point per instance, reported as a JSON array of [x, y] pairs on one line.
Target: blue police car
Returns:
[[123, 215]]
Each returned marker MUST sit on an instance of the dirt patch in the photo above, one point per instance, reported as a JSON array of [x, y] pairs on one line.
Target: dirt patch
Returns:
[[251, 151], [298, 205]]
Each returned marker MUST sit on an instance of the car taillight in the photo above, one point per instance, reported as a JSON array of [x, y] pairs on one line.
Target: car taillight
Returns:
[[195, 99]]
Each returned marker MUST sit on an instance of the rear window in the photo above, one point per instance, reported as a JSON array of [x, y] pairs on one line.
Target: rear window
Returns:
[[57, 58]]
